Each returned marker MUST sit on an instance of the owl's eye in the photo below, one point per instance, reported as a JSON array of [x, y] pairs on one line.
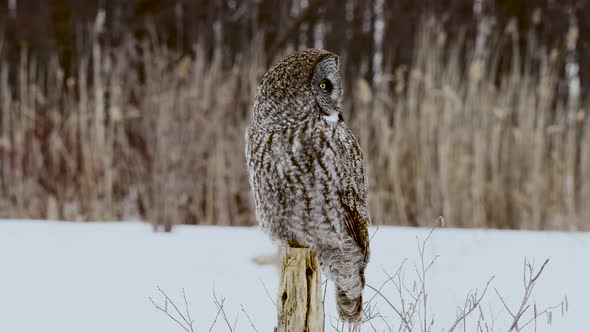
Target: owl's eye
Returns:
[[326, 85]]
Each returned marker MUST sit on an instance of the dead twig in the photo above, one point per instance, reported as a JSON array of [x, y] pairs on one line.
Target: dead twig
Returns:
[[187, 319], [472, 301], [248, 317], [268, 293], [219, 304], [529, 280], [403, 318]]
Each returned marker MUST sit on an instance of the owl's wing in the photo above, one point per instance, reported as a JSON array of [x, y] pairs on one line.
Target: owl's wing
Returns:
[[354, 192], [356, 226]]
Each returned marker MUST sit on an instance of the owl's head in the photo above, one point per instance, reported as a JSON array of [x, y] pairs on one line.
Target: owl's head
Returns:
[[303, 85]]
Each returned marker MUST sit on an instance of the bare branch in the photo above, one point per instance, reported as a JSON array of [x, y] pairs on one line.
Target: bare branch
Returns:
[[219, 309], [472, 302], [188, 314], [374, 232], [537, 315], [188, 322], [268, 293], [504, 303], [219, 305], [390, 278], [248, 317], [165, 311], [529, 284], [406, 323]]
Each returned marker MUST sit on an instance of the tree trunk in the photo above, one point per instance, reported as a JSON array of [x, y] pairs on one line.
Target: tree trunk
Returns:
[[300, 305]]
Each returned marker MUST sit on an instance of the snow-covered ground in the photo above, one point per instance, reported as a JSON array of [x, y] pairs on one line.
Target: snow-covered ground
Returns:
[[72, 277]]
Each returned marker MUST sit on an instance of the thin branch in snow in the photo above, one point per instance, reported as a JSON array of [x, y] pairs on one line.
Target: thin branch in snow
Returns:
[[530, 278], [219, 304], [248, 317], [188, 322], [188, 314], [268, 293], [504, 303], [374, 232], [403, 318], [472, 301], [219, 309]]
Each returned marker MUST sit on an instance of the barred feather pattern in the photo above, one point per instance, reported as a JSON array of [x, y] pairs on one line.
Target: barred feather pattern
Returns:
[[307, 172]]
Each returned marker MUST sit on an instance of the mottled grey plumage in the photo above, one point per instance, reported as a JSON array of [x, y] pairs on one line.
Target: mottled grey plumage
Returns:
[[307, 172]]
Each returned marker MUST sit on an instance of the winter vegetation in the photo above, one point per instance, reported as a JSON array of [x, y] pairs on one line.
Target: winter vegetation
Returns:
[[411, 311], [125, 122], [135, 110]]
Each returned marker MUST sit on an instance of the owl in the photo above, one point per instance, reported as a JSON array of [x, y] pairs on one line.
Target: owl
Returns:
[[307, 173]]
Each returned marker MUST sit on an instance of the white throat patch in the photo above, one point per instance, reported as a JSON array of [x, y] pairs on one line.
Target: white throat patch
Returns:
[[332, 117]]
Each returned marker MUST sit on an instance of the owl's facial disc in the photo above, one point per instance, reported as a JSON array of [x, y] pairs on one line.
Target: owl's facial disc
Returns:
[[327, 86]]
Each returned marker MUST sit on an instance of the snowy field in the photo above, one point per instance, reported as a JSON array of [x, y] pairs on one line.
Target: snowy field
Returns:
[[72, 277]]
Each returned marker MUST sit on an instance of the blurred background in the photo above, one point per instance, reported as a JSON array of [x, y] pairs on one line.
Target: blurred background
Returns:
[[476, 110]]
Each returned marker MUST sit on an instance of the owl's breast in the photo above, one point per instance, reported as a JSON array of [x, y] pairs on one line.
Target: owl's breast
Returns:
[[267, 175], [294, 178]]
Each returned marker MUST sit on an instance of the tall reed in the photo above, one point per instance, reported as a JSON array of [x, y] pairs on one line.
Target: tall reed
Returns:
[[144, 132]]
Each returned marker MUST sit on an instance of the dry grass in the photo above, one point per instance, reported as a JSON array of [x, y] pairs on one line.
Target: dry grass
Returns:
[[448, 141], [144, 131]]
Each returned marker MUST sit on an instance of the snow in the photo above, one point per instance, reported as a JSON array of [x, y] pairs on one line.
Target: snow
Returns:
[[59, 276]]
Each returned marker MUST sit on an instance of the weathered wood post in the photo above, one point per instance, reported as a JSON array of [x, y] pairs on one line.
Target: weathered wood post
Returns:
[[300, 306]]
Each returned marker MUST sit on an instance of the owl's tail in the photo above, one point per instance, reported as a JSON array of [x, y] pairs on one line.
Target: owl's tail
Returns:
[[349, 309]]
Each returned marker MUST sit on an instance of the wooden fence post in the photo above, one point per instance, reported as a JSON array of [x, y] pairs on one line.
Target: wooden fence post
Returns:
[[300, 305]]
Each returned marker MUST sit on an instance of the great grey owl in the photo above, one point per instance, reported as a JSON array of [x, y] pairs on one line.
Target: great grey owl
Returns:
[[307, 172]]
